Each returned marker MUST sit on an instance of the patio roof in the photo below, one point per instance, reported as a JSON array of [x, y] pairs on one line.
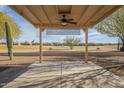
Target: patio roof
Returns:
[[46, 15]]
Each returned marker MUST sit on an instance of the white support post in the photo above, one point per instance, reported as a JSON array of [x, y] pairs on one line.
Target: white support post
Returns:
[[86, 44], [40, 46]]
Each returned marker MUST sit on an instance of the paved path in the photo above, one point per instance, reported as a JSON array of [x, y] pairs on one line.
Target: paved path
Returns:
[[66, 74]]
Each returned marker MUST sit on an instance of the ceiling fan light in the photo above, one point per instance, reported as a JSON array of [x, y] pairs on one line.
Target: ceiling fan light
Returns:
[[64, 23]]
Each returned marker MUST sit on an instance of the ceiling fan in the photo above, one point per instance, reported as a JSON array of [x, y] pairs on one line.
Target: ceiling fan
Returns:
[[64, 21]]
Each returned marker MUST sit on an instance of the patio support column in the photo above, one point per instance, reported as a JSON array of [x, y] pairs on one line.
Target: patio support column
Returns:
[[86, 44], [40, 45]]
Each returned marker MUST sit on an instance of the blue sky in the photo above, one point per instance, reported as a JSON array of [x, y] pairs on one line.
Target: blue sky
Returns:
[[30, 33]]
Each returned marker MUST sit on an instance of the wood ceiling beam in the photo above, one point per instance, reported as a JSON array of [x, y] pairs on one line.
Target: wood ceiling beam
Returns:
[[94, 14], [27, 7], [105, 15], [46, 14], [56, 26], [82, 15], [21, 13], [57, 10]]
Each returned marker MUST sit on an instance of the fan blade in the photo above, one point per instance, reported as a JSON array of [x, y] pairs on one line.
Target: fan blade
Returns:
[[59, 20], [71, 19], [71, 22]]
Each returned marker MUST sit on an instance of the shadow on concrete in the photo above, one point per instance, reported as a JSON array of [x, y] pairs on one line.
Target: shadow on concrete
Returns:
[[7, 74], [91, 78], [77, 80]]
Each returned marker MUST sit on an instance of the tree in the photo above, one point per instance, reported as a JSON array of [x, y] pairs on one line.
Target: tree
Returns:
[[113, 26], [13, 25], [71, 42], [26, 43], [10, 30]]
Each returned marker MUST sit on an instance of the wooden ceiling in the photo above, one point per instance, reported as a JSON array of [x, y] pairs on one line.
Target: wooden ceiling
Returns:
[[46, 15]]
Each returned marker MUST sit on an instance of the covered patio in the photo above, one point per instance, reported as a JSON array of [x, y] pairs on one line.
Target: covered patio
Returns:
[[65, 73], [55, 16]]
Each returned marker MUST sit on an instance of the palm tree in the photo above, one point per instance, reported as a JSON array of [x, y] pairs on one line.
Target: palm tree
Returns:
[[8, 29]]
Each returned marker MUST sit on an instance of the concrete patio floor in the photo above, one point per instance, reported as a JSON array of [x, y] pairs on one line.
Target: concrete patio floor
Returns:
[[65, 74]]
